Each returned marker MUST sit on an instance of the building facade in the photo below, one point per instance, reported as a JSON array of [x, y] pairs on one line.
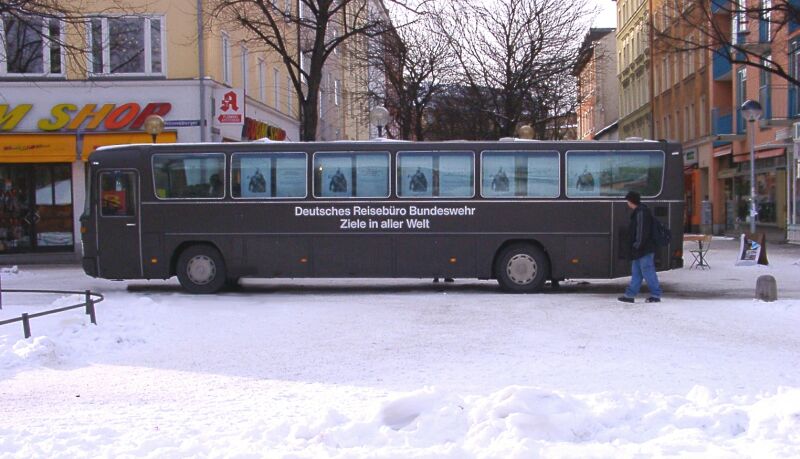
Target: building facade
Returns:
[[598, 87], [696, 99], [633, 68], [682, 89], [56, 107]]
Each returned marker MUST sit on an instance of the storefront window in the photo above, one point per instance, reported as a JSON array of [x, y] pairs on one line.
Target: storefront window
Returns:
[[36, 208]]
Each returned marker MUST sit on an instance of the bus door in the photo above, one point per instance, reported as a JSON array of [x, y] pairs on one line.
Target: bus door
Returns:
[[119, 224]]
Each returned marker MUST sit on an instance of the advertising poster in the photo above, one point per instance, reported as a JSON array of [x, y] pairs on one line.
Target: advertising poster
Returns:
[[373, 176], [498, 175], [455, 175], [256, 177], [416, 175], [337, 176], [290, 173], [584, 174], [543, 176]]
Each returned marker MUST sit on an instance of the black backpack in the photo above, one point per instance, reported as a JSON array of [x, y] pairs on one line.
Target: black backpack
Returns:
[[660, 233]]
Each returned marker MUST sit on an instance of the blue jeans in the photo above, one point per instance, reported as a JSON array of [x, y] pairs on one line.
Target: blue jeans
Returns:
[[643, 268]]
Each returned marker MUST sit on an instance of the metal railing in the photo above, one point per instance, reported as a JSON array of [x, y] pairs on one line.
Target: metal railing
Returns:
[[90, 299]]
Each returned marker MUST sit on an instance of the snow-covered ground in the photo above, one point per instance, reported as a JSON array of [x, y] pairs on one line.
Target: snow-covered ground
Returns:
[[406, 368]]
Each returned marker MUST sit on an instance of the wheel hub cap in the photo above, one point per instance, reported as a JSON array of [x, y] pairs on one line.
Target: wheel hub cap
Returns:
[[201, 270], [521, 269]]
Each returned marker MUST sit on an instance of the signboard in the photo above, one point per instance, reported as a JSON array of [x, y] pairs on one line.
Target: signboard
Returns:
[[752, 250], [88, 117], [229, 109]]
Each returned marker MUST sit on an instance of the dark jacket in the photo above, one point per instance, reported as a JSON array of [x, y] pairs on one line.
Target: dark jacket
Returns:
[[639, 231]]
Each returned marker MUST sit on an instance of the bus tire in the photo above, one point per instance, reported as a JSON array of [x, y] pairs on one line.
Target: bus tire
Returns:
[[522, 268], [201, 269]]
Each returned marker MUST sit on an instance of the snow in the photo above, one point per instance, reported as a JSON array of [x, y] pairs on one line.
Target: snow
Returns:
[[406, 368]]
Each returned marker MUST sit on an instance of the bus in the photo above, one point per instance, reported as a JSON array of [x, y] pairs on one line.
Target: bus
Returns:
[[522, 212]]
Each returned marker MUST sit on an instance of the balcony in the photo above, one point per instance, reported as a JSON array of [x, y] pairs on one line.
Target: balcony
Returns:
[[780, 105], [721, 6], [794, 101], [722, 125], [721, 64]]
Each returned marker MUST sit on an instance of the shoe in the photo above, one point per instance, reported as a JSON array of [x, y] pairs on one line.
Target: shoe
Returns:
[[653, 299], [625, 299]]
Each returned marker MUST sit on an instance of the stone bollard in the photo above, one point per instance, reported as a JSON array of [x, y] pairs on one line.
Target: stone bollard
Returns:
[[766, 288]]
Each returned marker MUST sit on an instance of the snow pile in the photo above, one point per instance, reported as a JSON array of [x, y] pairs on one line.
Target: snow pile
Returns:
[[353, 368], [9, 270], [64, 338], [529, 422]]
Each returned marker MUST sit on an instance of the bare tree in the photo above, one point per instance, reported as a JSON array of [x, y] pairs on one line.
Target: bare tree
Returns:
[[304, 37], [731, 30], [511, 51], [416, 64]]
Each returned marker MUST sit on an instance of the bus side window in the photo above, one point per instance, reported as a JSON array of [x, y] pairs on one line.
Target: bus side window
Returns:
[[347, 175], [117, 194], [269, 175], [436, 174], [521, 174], [614, 173], [189, 176]]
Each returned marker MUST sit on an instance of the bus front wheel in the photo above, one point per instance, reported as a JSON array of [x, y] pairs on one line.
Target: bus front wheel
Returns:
[[201, 269], [522, 268]]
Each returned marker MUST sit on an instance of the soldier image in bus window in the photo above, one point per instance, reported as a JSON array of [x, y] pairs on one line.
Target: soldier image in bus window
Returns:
[[585, 181], [338, 182], [500, 181], [418, 183], [257, 183]]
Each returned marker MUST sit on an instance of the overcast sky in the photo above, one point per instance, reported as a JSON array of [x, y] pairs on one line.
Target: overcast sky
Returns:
[[607, 16]]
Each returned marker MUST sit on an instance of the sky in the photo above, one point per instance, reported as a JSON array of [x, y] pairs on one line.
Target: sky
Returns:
[[607, 16]]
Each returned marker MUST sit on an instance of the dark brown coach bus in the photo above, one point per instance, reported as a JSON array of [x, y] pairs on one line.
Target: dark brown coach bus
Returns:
[[522, 212]]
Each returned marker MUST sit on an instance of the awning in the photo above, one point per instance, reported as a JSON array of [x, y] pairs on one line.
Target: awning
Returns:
[[762, 154], [92, 141], [771, 153], [37, 148], [722, 151]]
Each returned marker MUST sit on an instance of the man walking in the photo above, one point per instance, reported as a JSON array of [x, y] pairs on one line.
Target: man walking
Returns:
[[642, 251]]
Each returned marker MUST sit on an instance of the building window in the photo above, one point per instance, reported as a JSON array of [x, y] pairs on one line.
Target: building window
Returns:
[[127, 45], [245, 69], [262, 75], [289, 94], [226, 59], [31, 46], [336, 94], [794, 72], [276, 87]]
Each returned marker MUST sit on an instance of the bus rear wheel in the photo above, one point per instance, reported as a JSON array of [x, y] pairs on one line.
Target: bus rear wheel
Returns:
[[522, 268], [201, 269]]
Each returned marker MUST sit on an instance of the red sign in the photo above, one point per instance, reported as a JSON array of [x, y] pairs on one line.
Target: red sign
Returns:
[[230, 106]]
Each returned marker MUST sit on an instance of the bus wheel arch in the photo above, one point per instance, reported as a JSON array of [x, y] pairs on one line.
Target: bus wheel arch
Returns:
[[200, 267], [521, 266]]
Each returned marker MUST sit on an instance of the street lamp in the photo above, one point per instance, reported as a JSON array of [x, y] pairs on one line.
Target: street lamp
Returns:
[[751, 110], [154, 125], [525, 132], [379, 116]]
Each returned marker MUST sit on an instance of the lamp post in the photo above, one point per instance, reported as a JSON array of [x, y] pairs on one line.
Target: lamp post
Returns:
[[379, 116], [154, 125], [751, 110]]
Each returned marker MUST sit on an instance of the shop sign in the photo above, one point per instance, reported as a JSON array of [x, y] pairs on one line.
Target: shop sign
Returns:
[[68, 117], [254, 129], [230, 106]]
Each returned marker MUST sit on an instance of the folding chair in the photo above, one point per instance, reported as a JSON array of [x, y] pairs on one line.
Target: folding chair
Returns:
[[700, 253]]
